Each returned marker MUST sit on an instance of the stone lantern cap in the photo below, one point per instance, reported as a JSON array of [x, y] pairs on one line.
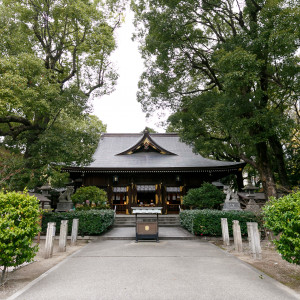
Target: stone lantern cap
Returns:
[[250, 189], [45, 187]]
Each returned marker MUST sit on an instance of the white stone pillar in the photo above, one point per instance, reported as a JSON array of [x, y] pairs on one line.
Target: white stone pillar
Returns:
[[225, 233], [254, 240], [50, 239], [63, 235], [74, 232], [237, 236]]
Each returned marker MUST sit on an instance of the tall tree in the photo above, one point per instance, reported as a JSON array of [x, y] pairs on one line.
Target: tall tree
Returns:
[[229, 70], [54, 59]]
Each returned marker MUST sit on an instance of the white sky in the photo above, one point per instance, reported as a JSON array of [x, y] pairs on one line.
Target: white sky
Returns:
[[120, 110]]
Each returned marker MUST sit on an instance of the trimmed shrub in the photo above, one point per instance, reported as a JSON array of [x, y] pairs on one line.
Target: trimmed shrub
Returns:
[[19, 217], [208, 222], [89, 197], [282, 216], [206, 196], [91, 222]]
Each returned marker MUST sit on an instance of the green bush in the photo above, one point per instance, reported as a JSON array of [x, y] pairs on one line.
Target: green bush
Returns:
[[19, 217], [208, 222], [282, 216], [91, 222], [207, 196], [90, 197]]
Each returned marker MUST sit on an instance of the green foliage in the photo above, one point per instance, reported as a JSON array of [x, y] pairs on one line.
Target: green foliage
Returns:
[[206, 196], [11, 164], [58, 179], [89, 197], [208, 222], [54, 57], [91, 222], [282, 216], [230, 74], [19, 216]]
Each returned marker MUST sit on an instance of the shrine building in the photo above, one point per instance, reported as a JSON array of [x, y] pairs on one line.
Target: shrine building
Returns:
[[149, 169]]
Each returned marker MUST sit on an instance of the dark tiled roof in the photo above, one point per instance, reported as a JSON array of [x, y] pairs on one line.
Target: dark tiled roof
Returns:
[[110, 145]]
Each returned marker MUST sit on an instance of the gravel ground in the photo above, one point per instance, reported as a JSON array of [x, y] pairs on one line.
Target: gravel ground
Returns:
[[271, 263]]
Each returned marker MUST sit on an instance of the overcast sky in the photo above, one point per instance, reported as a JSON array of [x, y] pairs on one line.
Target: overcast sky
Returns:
[[120, 110]]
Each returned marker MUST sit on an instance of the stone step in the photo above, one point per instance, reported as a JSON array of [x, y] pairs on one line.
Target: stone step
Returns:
[[133, 225], [130, 220], [159, 223], [133, 218], [147, 220]]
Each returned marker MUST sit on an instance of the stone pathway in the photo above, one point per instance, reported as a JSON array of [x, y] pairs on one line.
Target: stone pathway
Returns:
[[169, 270]]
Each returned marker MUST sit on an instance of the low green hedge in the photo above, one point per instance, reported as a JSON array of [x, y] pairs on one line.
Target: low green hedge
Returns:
[[91, 222], [208, 222]]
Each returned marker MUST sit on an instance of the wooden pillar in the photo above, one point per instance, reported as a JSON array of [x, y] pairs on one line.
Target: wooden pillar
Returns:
[[237, 236], [74, 232], [239, 179], [254, 240], [110, 195], [50, 239], [134, 196], [164, 199], [158, 194], [63, 235], [225, 232], [131, 198]]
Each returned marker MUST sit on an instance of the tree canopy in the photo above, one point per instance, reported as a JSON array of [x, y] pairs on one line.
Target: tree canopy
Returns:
[[55, 57], [229, 70]]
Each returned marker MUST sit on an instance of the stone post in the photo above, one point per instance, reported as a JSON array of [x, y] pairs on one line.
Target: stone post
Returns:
[[63, 235], [225, 233], [50, 239], [254, 240], [237, 236], [74, 232]]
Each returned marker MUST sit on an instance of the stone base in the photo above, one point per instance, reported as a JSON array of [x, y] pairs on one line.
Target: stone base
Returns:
[[253, 207], [46, 206], [64, 206], [232, 205]]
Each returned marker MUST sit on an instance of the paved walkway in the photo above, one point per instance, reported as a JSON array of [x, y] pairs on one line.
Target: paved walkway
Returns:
[[171, 269]]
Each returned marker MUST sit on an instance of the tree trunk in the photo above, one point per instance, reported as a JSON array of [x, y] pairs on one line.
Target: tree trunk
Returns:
[[279, 160], [264, 168]]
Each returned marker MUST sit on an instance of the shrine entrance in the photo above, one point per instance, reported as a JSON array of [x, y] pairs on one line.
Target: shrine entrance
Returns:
[[146, 195], [146, 199]]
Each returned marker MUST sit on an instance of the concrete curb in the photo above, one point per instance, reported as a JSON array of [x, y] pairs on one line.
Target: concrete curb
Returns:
[[87, 237]]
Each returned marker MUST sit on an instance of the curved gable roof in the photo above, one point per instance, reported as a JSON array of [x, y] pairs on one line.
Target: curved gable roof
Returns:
[[110, 154], [145, 144]]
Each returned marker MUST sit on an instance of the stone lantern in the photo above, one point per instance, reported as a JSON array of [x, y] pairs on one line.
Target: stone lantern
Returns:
[[250, 190], [45, 190], [252, 205]]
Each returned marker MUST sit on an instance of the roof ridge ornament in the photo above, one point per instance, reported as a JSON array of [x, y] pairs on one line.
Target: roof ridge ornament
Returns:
[[146, 144]]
